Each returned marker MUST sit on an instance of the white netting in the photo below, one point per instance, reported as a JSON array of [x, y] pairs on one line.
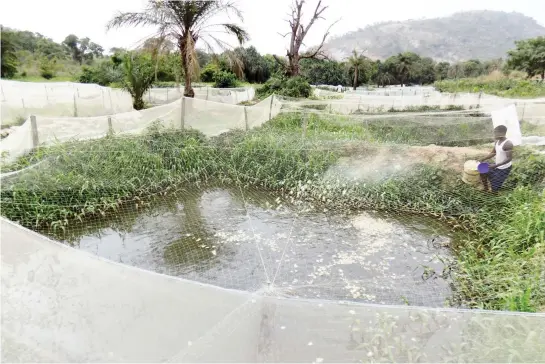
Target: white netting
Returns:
[[313, 228], [158, 96], [211, 118], [67, 99], [62, 99], [424, 99], [61, 305]]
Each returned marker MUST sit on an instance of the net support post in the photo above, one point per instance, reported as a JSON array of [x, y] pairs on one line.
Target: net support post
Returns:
[[110, 125], [34, 131], [182, 114], [246, 118], [75, 107], [167, 94], [207, 90], [270, 107]]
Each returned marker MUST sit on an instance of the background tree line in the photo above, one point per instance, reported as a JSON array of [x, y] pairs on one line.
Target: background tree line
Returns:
[[24, 52]]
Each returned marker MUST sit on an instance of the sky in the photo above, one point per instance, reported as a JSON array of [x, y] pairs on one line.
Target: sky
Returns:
[[263, 19]]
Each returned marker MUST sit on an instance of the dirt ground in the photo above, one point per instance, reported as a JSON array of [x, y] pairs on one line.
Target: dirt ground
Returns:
[[405, 156]]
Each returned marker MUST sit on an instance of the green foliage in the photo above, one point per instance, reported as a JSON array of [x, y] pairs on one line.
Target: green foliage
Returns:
[[223, 79], [255, 67], [82, 49], [290, 87], [48, 68], [139, 76], [105, 72], [8, 57], [529, 56], [506, 87], [441, 70], [209, 71], [323, 72]]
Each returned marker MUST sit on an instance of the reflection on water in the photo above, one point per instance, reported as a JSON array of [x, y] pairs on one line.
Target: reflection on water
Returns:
[[247, 239]]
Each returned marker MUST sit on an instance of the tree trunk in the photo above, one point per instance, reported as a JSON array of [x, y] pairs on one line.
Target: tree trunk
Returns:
[[542, 76], [156, 68], [188, 90], [294, 65], [355, 85]]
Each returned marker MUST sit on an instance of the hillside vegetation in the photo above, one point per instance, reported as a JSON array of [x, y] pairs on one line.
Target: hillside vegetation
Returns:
[[462, 36]]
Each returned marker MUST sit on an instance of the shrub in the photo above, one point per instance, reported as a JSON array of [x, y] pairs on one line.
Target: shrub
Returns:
[[208, 72], [224, 79], [47, 68], [297, 87], [291, 87], [103, 73]]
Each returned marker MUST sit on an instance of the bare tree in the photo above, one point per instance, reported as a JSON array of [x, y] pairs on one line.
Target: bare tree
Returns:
[[298, 33]]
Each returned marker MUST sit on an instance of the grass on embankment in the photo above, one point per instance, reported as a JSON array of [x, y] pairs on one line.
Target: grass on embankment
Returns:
[[504, 87], [500, 265]]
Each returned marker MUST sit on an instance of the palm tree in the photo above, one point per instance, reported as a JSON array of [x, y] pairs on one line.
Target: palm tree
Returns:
[[403, 67], [186, 22], [356, 61], [383, 77], [138, 77]]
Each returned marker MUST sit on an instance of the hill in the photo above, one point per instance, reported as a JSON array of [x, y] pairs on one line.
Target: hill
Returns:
[[466, 35]]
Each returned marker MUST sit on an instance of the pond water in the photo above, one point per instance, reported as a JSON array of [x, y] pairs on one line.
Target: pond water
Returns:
[[251, 240]]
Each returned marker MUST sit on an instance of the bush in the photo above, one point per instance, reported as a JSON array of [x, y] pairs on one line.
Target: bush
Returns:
[[103, 73], [47, 68], [297, 87], [224, 79], [208, 72], [291, 87]]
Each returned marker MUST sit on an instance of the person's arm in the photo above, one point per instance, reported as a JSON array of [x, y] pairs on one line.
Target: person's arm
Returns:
[[492, 154], [508, 148]]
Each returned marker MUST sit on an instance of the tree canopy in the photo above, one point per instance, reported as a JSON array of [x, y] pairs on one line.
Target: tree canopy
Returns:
[[529, 56]]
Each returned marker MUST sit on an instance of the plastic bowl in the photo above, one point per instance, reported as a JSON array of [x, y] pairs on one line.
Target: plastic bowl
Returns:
[[482, 167]]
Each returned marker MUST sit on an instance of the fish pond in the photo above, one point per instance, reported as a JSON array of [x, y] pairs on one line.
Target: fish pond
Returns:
[[251, 240]]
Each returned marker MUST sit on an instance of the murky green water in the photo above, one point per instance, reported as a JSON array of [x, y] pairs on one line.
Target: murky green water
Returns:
[[244, 239]]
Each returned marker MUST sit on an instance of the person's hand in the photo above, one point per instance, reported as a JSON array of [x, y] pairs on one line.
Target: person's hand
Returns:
[[492, 166]]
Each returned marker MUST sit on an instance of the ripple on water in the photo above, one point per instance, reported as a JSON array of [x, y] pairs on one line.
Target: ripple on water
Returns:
[[242, 240]]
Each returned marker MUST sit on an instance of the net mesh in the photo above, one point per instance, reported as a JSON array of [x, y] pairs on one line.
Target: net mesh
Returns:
[[19, 100], [294, 233]]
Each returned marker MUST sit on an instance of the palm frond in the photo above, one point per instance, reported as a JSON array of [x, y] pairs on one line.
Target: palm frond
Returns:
[[239, 32], [133, 19]]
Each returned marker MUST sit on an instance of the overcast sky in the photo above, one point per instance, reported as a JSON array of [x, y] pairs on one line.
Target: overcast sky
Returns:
[[263, 19]]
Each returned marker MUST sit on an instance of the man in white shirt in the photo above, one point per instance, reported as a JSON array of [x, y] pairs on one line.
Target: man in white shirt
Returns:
[[503, 153]]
